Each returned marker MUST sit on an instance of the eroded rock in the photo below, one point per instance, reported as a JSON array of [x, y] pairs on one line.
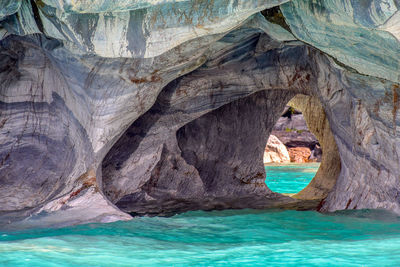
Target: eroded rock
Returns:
[[81, 81], [329, 170]]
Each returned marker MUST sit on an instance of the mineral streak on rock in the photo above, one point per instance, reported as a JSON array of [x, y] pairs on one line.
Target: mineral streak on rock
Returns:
[[118, 92]]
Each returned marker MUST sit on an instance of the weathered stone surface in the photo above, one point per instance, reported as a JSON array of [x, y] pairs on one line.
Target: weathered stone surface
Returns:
[[9, 7], [129, 28], [329, 170], [294, 122], [299, 138], [292, 130], [365, 128], [76, 76], [101, 96], [275, 151], [202, 165], [359, 34]]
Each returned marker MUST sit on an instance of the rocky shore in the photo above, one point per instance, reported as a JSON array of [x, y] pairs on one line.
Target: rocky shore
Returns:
[[292, 141]]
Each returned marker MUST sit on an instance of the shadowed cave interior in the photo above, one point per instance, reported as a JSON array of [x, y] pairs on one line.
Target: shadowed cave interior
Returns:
[[214, 161]]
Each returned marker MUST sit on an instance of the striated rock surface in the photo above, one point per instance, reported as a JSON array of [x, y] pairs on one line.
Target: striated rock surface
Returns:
[[129, 105], [362, 35], [275, 151], [297, 138], [329, 170], [200, 165]]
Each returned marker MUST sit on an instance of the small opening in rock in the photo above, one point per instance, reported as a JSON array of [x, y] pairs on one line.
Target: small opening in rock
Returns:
[[274, 15], [294, 159], [292, 155]]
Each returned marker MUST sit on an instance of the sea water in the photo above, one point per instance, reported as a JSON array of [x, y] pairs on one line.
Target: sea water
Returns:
[[290, 178], [217, 238]]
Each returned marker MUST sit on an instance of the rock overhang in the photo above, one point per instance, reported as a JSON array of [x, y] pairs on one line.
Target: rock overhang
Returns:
[[108, 63]]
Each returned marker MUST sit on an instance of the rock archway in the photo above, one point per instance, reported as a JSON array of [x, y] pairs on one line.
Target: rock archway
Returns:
[[329, 170], [193, 98], [215, 160], [70, 93]]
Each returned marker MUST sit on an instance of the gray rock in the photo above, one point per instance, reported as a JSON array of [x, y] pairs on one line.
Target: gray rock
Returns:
[[203, 165], [133, 102], [299, 138], [293, 132], [295, 122]]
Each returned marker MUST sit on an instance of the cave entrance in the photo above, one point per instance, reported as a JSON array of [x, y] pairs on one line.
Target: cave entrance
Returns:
[[292, 155], [213, 161], [294, 158]]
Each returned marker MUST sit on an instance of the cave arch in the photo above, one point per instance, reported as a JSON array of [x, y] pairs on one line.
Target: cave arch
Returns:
[[213, 161], [85, 101], [317, 123]]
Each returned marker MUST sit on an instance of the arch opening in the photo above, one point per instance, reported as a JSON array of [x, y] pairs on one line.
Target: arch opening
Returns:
[[213, 161], [301, 156]]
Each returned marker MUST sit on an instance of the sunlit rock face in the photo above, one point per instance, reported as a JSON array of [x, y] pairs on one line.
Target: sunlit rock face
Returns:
[[362, 35], [275, 151], [329, 170], [129, 28], [93, 94]]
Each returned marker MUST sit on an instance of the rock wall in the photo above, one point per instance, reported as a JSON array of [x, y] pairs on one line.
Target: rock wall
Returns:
[[207, 167], [79, 78], [293, 132], [300, 154], [329, 170]]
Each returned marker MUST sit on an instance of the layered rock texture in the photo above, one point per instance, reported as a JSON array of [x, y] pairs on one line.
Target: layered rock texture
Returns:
[[156, 107], [329, 170]]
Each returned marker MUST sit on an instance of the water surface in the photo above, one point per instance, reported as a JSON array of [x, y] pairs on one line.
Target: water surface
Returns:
[[218, 238], [290, 178]]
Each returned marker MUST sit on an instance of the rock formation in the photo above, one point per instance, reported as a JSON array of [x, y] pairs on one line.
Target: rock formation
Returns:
[[292, 130], [156, 107], [275, 151], [329, 170], [299, 154]]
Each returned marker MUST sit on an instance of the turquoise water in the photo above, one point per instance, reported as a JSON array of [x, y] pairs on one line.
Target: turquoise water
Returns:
[[290, 178], [218, 238]]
